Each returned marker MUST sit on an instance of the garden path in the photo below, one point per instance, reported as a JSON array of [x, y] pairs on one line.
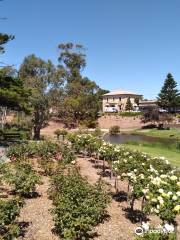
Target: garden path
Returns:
[[36, 215], [117, 227]]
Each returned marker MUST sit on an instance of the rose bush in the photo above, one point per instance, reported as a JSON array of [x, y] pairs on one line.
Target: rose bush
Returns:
[[151, 178]]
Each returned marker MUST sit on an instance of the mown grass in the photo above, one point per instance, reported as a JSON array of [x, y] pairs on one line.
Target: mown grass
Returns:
[[170, 152], [169, 134]]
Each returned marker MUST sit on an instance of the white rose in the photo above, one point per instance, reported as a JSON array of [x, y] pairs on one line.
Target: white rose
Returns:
[[169, 227], [169, 193], [156, 210], [174, 198], [163, 176], [173, 178], [178, 194], [161, 190]]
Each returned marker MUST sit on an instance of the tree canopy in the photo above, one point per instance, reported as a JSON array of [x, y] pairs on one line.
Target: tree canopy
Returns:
[[40, 76], [169, 96], [81, 101], [13, 94]]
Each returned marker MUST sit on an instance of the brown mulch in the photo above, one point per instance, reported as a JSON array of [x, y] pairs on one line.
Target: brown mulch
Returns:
[[36, 217], [117, 227]]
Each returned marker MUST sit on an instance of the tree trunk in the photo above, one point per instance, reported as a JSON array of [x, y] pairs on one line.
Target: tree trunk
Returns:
[[3, 112], [37, 133], [132, 203]]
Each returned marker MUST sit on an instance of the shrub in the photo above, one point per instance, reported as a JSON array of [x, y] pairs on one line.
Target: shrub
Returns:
[[33, 149], [157, 236], [78, 206], [68, 155], [90, 123], [97, 132], [48, 165], [114, 130], [9, 210], [23, 179], [60, 132]]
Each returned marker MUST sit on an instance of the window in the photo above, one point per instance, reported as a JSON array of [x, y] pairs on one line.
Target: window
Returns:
[[107, 99], [119, 98], [113, 99]]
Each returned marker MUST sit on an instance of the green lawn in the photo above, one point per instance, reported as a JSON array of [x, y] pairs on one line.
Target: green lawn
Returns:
[[172, 133], [172, 155]]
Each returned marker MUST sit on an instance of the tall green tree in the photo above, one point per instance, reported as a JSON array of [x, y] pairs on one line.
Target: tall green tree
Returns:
[[40, 76], [169, 96], [129, 105], [81, 101], [13, 95]]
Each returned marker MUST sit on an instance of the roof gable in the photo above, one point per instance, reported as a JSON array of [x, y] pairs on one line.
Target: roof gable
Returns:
[[121, 92]]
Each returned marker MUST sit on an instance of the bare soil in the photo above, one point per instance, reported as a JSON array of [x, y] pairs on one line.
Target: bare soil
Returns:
[[52, 126], [127, 123]]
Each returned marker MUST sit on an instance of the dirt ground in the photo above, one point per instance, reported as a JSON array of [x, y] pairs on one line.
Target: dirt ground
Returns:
[[129, 123], [49, 130], [105, 122]]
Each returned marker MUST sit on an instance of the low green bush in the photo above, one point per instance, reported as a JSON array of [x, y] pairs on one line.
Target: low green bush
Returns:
[[67, 155], [89, 123], [22, 178], [157, 236], [97, 132], [60, 132], [78, 206], [9, 211], [33, 149], [114, 130]]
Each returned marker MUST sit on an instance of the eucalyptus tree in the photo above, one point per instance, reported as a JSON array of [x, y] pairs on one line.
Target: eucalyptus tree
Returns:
[[41, 77], [81, 98]]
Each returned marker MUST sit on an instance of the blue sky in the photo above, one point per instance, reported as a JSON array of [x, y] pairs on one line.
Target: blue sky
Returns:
[[131, 44]]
